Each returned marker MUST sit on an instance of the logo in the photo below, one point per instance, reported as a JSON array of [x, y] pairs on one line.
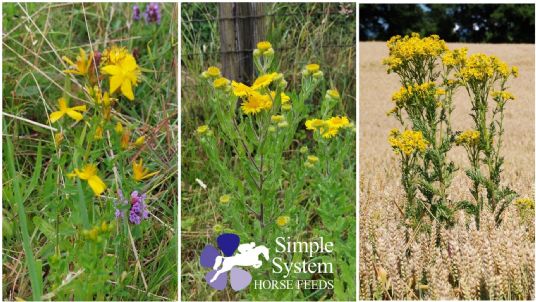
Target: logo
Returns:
[[247, 255]]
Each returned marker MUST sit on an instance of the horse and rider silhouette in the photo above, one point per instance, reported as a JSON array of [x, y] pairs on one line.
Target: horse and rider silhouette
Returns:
[[248, 255]]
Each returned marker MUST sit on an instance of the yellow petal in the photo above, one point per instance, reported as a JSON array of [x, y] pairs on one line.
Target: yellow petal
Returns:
[[56, 115], [111, 70], [126, 89], [68, 61], [115, 82], [129, 63], [79, 108], [149, 175], [96, 184], [74, 114]]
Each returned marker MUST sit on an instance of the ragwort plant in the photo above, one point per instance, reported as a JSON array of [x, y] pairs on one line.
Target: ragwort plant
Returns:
[[482, 77], [273, 181], [423, 106], [430, 73]]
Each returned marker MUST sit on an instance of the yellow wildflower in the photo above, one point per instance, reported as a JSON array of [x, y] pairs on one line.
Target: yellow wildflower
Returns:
[[213, 72], [468, 137], [338, 122], [89, 173], [240, 89], [312, 68], [118, 128], [124, 74], [502, 96], [82, 65], [202, 129], [408, 141], [140, 173], [255, 103], [286, 107], [113, 55], [312, 159], [264, 46], [515, 71], [58, 138], [220, 83], [282, 220], [329, 132], [264, 80], [125, 140], [98, 133], [140, 141], [72, 112], [277, 118], [224, 199], [333, 93], [314, 124]]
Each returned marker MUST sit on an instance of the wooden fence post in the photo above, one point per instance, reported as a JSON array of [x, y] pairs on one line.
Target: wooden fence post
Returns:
[[242, 25]]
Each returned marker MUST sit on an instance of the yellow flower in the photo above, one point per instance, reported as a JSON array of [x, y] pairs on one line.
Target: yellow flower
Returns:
[[408, 48], [89, 173], [140, 141], [124, 74], [118, 128], [140, 173], [220, 83], [58, 138], [314, 124], [468, 137], [264, 81], [286, 107], [125, 140], [240, 89], [502, 96], [282, 220], [72, 112], [224, 199], [338, 122], [277, 118], [333, 93], [329, 132], [82, 65], [312, 159], [515, 71], [213, 72], [312, 68], [407, 142], [283, 124], [264, 46], [202, 129], [113, 55], [255, 103], [98, 133]]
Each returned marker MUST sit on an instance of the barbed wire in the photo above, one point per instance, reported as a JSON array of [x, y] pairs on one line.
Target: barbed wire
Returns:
[[280, 49], [336, 14]]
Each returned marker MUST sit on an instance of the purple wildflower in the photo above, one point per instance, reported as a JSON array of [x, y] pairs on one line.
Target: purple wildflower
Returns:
[[138, 211], [152, 13], [136, 14]]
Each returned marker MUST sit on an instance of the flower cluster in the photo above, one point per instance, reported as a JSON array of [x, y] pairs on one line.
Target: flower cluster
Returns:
[[152, 13], [328, 128], [468, 138], [407, 142], [424, 91], [137, 208], [408, 48], [502, 95]]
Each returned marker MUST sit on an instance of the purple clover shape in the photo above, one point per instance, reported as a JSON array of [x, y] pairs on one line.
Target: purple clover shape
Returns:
[[228, 243], [152, 13]]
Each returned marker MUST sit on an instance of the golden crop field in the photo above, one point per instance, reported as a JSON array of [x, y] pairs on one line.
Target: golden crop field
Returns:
[[397, 263]]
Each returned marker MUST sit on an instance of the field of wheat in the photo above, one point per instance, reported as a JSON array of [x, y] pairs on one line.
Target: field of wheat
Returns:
[[487, 263]]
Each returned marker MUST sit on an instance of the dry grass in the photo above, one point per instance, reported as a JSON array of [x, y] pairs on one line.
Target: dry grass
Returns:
[[408, 263]]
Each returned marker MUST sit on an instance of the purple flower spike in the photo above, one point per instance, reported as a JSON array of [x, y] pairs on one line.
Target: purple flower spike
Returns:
[[138, 210], [152, 13], [136, 14]]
